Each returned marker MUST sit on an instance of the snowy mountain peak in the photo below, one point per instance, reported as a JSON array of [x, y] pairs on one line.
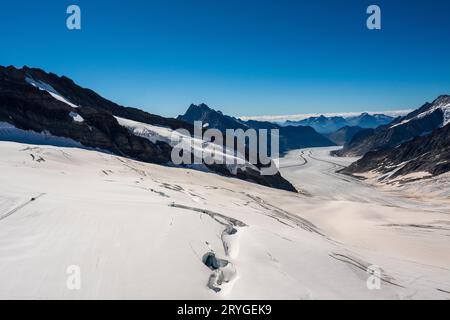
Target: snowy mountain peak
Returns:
[[423, 121], [442, 103], [442, 99]]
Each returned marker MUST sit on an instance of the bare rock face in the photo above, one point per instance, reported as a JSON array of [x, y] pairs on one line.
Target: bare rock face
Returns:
[[422, 121], [429, 154], [27, 107]]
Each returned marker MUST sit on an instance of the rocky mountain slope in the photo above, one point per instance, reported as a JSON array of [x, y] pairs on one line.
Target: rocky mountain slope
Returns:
[[33, 100], [423, 157], [422, 121]]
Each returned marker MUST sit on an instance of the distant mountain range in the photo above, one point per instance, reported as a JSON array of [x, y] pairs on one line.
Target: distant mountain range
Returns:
[[328, 131], [323, 124], [36, 103], [281, 119], [291, 137]]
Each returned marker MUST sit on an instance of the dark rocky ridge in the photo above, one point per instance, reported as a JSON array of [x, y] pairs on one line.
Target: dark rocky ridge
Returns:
[[214, 119], [88, 98], [397, 132], [29, 108], [430, 153]]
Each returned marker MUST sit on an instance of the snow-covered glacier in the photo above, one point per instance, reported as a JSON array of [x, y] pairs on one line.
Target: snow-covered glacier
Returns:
[[143, 231]]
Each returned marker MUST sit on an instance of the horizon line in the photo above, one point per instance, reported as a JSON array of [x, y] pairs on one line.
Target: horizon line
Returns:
[[303, 116]]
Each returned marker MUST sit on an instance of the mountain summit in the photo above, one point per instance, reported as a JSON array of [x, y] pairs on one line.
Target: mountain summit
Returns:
[[327, 125]]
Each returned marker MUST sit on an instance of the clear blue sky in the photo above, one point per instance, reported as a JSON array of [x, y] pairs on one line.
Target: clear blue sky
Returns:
[[244, 57]]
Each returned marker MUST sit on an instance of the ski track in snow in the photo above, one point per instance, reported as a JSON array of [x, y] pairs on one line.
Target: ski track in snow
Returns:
[[142, 231]]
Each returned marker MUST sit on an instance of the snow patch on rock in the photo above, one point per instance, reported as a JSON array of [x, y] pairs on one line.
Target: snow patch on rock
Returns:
[[46, 87], [443, 104], [76, 117], [230, 158]]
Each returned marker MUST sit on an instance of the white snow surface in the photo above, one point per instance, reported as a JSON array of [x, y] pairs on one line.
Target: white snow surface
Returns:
[[141, 231], [76, 117], [46, 87]]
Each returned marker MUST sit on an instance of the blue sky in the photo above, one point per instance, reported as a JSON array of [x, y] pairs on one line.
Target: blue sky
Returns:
[[244, 57]]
